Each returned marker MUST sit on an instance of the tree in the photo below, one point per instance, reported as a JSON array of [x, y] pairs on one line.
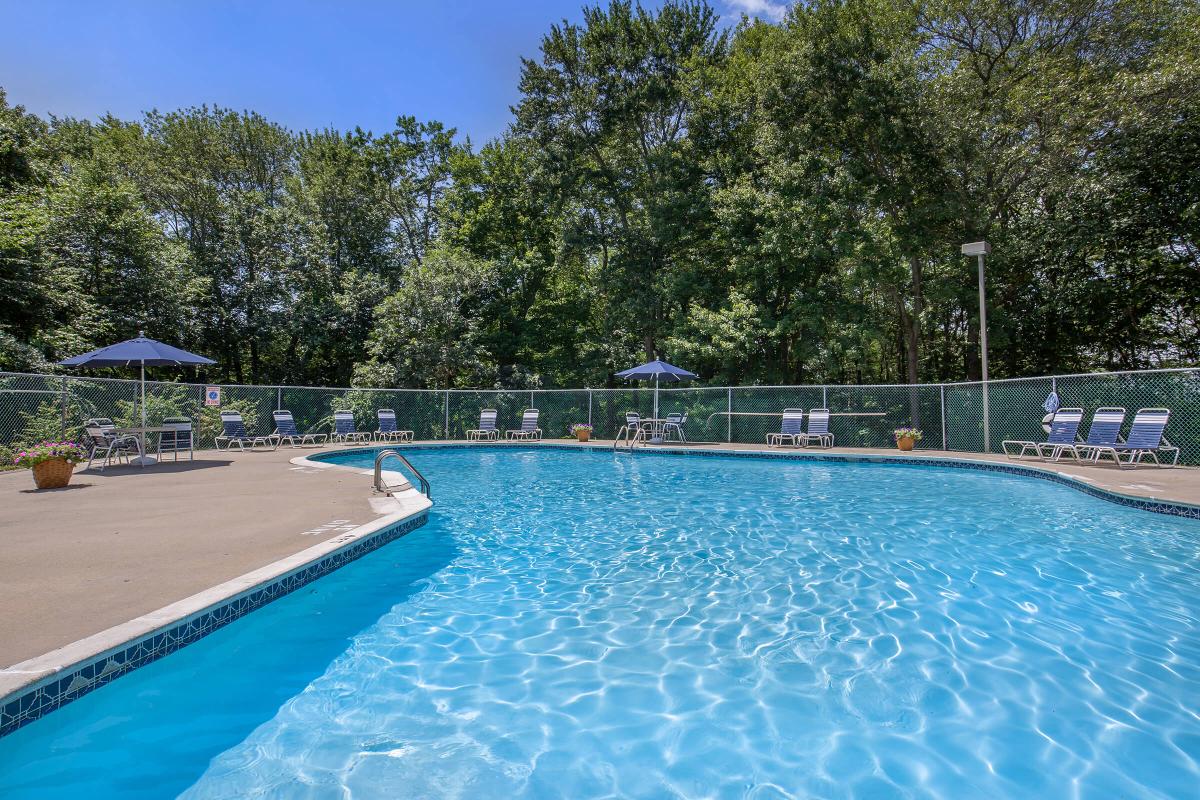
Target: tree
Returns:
[[609, 104], [427, 334]]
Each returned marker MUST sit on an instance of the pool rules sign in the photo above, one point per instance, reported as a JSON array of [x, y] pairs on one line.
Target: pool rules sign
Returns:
[[212, 395]]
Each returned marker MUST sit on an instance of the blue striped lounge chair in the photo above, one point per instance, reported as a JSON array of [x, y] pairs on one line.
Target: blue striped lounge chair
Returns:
[[1105, 431], [286, 430], [1063, 436], [176, 437], [103, 438], [818, 429], [388, 432], [344, 429], [487, 429], [234, 433], [529, 426], [1145, 440], [790, 429]]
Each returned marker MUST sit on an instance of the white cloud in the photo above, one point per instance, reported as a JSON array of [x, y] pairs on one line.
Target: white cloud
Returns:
[[758, 8]]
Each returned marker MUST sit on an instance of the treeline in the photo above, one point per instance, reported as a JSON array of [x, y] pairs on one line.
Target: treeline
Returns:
[[763, 204]]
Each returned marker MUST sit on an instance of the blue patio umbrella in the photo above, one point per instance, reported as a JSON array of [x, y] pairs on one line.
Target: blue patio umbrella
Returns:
[[657, 371], [142, 352]]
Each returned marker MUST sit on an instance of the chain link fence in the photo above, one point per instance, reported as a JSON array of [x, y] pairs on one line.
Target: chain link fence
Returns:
[[38, 407]]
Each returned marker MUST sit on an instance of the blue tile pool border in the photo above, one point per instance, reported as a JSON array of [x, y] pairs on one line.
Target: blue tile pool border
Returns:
[[40, 698], [1170, 507]]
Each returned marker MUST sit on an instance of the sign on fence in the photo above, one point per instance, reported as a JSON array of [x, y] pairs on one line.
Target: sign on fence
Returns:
[[212, 395]]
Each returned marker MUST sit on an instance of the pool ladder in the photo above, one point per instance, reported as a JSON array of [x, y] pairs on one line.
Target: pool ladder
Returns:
[[380, 486], [631, 437]]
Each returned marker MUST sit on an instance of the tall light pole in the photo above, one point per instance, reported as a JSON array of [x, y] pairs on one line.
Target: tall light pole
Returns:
[[981, 249]]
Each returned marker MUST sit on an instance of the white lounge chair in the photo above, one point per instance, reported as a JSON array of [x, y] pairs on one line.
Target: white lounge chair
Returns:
[[790, 428], [487, 430], [345, 431], [1063, 436], [388, 432], [818, 429], [286, 430], [234, 433], [529, 426]]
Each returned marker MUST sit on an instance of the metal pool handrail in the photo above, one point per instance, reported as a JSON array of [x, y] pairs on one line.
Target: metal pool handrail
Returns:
[[383, 454]]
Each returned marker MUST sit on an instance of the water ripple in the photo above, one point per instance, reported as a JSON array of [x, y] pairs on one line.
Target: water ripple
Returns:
[[657, 627]]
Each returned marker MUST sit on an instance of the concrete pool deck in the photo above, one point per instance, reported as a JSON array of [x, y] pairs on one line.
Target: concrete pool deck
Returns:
[[121, 543], [126, 542]]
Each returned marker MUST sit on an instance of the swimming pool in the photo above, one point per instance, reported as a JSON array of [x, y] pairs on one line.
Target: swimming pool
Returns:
[[581, 624]]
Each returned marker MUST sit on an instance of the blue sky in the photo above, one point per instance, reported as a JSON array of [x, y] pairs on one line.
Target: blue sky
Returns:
[[302, 63]]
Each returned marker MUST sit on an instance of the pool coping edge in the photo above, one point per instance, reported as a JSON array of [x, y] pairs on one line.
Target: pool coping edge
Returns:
[[1178, 508]]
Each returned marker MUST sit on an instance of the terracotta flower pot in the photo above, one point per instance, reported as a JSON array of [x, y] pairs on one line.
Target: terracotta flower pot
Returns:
[[906, 443], [53, 474], [583, 436]]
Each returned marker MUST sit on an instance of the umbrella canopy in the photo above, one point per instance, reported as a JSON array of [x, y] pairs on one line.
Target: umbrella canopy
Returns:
[[141, 352], [135, 352], [656, 371]]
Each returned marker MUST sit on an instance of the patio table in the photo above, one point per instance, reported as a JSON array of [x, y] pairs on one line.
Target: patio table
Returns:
[[144, 459], [658, 426]]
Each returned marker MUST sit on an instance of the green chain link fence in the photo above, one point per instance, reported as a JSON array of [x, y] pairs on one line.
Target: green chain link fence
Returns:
[[37, 407]]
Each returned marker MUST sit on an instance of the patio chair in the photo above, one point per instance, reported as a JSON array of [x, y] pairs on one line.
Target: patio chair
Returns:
[[529, 426], [234, 433], [388, 432], [818, 429], [1064, 434], [1105, 431], [791, 427], [345, 431], [1145, 439], [102, 436], [633, 421], [177, 438], [487, 429], [286, 430], [675, 422]]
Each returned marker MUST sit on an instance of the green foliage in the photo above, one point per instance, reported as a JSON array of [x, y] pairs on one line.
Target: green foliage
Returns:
[[428, 333], [771, 203], [46, 424], [6, 458], [164, 401]]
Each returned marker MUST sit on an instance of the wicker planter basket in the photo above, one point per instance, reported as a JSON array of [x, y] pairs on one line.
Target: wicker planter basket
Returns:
[[53, 474]]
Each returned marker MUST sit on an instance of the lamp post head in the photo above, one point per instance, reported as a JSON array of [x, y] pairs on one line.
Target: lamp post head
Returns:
[[976, 249]]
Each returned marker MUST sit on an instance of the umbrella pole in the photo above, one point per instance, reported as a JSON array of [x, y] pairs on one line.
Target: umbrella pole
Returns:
[[656, 397], [142, 457]]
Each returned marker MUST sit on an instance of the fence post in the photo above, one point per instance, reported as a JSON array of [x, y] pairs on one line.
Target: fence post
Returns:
[[729, 416], [987, 443], [824, 398], [446, 406], [62, 431], [278, 398], [942, 392], [589, 391]]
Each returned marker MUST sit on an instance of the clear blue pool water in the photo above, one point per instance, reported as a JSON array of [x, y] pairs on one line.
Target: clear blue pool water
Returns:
[[588, 625]]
